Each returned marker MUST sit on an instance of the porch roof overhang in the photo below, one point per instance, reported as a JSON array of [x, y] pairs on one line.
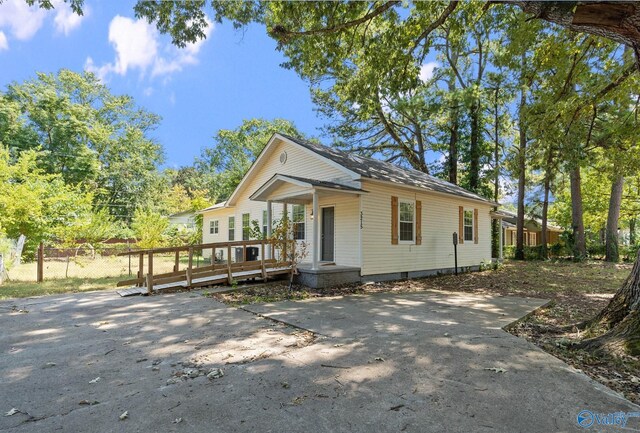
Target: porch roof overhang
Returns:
[[303, 190]]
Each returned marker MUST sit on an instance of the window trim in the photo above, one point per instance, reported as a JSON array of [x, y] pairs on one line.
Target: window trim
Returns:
[[247, 227], [213, 226], [296, 223], [413, 222], [265, 225], [231, 232], [464, 224]]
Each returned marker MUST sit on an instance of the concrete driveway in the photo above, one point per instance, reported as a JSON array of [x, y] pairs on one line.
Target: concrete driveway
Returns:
[[427, 362]]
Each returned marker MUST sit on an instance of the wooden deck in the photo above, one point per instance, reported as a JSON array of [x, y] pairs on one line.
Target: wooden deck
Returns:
[[217, 273]]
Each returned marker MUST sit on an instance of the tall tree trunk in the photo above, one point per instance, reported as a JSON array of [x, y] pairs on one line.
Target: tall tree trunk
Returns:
[[496, 229], [615, 201], [577, 222], [452, 162], [544, 249], [522, 165], [632, 231], [621, 318], [474, 147], [548, 172]]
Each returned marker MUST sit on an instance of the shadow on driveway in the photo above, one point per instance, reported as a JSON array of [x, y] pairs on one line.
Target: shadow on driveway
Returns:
[[427, 362]]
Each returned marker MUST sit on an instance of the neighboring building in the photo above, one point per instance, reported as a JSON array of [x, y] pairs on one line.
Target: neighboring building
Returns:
[[532, 230], [186, 219], [362, 219]]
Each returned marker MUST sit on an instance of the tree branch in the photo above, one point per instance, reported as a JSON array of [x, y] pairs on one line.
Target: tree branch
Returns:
[[282, 33]]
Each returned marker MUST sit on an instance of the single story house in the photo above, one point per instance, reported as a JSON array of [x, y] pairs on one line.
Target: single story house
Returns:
[[361, 219], [186, 219], [532, 230]]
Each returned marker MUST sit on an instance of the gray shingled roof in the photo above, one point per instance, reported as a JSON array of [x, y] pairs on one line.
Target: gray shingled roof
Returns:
[[381, 170]]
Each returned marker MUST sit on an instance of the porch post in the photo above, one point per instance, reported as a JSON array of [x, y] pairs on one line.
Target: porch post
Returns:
[[500, 246], [269, 224], [316, 231]]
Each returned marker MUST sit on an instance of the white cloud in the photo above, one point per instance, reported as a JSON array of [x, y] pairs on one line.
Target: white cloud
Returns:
[[426, 71], [138, 46], [22, 20], [4, 44], [66, 20]]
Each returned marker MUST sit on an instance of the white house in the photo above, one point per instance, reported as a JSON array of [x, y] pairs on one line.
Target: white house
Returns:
[[362, 219], [184, 219]]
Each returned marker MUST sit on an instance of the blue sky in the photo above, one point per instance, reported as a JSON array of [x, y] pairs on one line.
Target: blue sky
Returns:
[[233, 75]]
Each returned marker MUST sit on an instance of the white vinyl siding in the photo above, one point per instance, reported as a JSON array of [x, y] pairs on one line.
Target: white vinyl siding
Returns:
[[436, 251]]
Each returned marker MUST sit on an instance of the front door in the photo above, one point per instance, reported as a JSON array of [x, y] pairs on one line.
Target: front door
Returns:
[[327, 234]]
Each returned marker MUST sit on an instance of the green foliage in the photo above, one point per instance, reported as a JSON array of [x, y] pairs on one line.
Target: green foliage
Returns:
[[557, 250], [95, 140], [149, 228], [35, 203], [224, 164]]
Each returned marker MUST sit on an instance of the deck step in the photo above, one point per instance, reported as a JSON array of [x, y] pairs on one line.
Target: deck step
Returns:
[[132, 291]]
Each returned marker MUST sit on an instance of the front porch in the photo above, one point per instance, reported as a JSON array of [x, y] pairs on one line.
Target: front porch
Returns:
[[333, 243]]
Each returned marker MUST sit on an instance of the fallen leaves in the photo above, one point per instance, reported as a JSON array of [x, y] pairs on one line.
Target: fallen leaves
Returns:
[[496, 369], [96, 380], [12, 412], [124, 415]]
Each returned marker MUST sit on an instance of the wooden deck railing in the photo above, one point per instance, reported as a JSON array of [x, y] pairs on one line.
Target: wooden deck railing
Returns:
[[214, 272]]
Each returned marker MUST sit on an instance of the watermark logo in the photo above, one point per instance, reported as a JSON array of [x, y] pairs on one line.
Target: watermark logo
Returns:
[[587, 418]]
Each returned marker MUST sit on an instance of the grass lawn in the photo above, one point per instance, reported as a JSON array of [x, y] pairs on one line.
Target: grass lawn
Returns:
[[577, 292], [21, 289]]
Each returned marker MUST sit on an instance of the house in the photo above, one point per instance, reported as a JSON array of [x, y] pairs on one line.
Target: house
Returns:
[[361, 219], [186, 219], [532, 230]]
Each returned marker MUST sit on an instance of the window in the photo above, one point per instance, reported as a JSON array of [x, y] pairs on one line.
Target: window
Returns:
[[232, 228], [264, 223], [246, 229], [213, 227], [468, 225], [407, 221], [298, 217]]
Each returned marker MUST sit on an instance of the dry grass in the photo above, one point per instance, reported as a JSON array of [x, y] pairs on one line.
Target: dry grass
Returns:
[[22, 289]]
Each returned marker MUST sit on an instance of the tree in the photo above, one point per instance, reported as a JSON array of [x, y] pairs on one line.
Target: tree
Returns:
[[34, 203], [149, 228], [96, 140], [224, 164]]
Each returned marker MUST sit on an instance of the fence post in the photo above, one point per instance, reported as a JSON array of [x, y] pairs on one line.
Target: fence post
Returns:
[[176, 266], [1, 268], [264, 270], [129, 250], [229, 273], [140, 269], [189, 268], [40, 275], [150, 274]]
